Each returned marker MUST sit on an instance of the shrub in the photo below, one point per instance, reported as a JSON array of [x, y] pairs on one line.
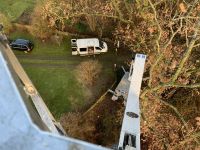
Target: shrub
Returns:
[[87, 72], [39, 24]]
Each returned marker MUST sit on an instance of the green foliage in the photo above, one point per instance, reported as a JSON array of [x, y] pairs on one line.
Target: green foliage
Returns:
[[81, 27], [130, 1], [68, 22]]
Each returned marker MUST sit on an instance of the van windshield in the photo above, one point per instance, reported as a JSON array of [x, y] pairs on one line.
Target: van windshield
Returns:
[[101, 44]]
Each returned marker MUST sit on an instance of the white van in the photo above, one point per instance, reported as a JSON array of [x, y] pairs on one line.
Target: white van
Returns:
[[89, 46]]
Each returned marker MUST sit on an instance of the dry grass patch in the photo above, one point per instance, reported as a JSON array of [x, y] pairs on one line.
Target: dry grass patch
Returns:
[[88, 71]]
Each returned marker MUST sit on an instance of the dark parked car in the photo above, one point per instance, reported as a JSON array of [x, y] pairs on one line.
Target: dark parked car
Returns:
[[22, 45]]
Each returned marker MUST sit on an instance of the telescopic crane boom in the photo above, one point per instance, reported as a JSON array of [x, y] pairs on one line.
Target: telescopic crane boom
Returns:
[[30, 89]]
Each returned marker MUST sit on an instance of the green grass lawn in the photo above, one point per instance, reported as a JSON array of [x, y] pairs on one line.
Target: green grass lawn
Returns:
[[58, 87], [14, 8]]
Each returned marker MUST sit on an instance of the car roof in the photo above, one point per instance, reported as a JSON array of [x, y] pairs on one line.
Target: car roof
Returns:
[[21, 41]]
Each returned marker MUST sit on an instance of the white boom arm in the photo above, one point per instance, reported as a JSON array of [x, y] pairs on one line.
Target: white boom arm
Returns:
[[41, 107], [130, 132]]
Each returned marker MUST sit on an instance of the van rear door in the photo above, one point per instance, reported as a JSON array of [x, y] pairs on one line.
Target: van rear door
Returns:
[[91, 50]]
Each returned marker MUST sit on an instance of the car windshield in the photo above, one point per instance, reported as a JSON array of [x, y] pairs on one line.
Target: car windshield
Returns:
[[101, 44]]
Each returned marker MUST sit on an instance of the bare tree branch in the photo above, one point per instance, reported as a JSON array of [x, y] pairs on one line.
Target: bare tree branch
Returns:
[[187, 54], [158, 25]]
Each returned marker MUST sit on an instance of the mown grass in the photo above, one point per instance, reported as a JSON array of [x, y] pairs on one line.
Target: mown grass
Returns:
[[58, 87], [14, 8]]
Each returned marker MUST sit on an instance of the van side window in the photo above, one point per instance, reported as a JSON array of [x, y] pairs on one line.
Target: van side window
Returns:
[[98, 48], [83, 49], [74, 49]]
